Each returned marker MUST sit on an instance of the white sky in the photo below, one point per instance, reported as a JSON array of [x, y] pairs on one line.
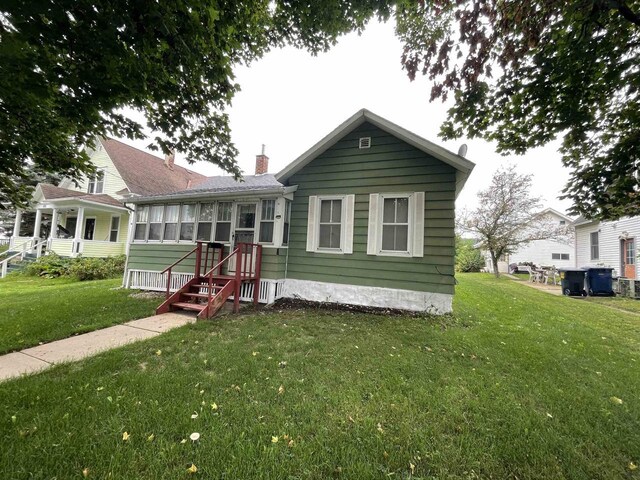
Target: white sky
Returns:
[[290, 100]]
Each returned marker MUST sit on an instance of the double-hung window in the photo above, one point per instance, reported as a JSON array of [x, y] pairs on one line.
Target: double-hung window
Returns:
[[171, 223], [396, 224], [155, 222], [267, 220], [96, 182], [595, 245], [187, 221], [205, 222], [223, 222], [330, 224], [286, 220], [142, 217], [115, 228]]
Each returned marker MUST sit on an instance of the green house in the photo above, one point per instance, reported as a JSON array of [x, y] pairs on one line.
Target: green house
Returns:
[[365, 217]]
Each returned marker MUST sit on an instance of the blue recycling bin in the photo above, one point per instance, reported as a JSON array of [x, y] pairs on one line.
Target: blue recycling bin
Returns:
[[600, 281], [574, 282]]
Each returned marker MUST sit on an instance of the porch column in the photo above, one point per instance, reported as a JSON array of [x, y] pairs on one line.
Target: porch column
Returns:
[[16, 227], [54, 224], [38, 224], [77, 240]]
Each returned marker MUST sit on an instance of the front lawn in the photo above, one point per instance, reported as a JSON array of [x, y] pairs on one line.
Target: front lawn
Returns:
[[521, 384], [622, 303], [41, 310]]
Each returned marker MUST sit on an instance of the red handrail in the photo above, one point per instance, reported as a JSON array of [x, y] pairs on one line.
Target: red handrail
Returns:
[[198, 247]]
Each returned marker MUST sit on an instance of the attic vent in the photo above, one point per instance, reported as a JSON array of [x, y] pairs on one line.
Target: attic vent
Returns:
[[365, 142]]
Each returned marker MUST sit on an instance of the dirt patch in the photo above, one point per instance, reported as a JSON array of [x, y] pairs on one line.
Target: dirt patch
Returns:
[[298, 304], [145, 295]]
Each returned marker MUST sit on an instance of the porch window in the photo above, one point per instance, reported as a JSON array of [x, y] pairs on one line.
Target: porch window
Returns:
[[287, 220], [96, 182], [142, 217], [155, 222], [205, 222], [187, 219], [267, 219], [396, 224], [171, 222], [330, 224], [115, 228], [223, 222], [595, 245]]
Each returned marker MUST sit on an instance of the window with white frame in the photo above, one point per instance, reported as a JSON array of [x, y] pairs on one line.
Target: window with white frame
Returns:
[[330, 224], [155, 222], [560, 256], [286, 222], [223, 222], [187, 221], [115, 228], [171, 223], [595, 245], [96, 182], [396, 224], [205, 222], [142, 217], [267, 220]]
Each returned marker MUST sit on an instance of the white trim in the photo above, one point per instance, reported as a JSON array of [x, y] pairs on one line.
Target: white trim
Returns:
[[435, 303], [372, 231], [346, 224], [418, 225], [311, 223]]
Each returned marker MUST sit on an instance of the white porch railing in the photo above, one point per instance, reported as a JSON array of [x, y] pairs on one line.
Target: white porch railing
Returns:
[[21, 251]]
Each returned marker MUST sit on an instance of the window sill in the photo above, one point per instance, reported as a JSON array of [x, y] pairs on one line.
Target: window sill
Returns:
[[330, 251], [393, 254]]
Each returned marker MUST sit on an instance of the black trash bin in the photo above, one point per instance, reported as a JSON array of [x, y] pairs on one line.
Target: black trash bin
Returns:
[[574, 281], [600, 281]]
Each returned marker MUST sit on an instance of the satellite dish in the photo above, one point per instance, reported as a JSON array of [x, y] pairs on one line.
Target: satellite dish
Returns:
[[462, 151]]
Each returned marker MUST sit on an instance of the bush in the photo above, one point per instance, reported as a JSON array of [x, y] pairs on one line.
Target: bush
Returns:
[[51, 265], [468, 259], [82, 268]]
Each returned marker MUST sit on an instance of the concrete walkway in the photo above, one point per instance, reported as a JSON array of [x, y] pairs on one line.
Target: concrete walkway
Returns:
[[38, 358], [544, 287]]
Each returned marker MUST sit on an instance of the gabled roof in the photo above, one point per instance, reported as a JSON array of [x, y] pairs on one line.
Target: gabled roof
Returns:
[[146, 174], [56, 194], [557, 213], [50, 192], [461, 164], [581, 220]]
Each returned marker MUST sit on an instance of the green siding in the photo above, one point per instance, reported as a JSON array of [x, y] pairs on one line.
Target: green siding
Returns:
[[158, 256], [390, 165]]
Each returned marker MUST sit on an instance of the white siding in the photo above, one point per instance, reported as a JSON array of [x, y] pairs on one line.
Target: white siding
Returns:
[[112, 180], [610, 236]]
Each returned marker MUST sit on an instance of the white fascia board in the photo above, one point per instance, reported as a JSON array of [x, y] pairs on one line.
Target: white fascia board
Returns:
[[203, 196]]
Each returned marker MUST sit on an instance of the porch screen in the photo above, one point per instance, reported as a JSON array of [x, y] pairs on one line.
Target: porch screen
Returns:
[[223, 222], [187, 219], [142, 216], [171, 222], [267, 218], [205, 222], [155, 222]]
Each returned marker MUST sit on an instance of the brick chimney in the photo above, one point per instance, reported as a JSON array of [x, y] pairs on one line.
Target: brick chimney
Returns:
[[169, 159], [262, 163]]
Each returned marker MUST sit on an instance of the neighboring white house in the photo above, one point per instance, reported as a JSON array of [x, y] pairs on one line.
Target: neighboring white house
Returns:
[[540, 252], [608, 243]]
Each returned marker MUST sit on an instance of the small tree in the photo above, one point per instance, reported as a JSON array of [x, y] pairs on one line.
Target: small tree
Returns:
[[507, 216], [468, 258]]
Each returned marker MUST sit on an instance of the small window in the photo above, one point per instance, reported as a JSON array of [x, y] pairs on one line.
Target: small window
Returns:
[[365, 142], [142, 216], [115, 228], [562, 222], [267, 219], [187, 220], [155, 222], [555, 256], [395, 224], [595, 245], [330, 230], [564, 256], [223, 222], [205, 222], [171, 223], [96, 182], [287, 220]]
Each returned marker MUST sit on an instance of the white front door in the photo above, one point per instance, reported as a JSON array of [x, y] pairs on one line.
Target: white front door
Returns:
[[244, 230]]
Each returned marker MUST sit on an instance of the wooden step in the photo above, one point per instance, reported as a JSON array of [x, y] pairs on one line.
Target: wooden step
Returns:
[[196, 295], [218, 277], [206, 285], [189, 306]]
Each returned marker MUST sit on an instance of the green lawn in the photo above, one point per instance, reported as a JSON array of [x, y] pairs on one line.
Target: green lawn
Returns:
[[521, 384], [41, 310], [623, 303]]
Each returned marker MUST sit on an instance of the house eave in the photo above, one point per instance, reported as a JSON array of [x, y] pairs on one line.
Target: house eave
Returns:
[[279, 191]]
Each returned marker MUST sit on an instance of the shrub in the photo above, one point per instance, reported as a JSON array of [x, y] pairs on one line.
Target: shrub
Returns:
[[51, 265], [97, 268], [468, 259]]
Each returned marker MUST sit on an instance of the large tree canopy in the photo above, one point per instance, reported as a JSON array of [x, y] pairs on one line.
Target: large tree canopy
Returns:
[[69, 67], [524, 72]]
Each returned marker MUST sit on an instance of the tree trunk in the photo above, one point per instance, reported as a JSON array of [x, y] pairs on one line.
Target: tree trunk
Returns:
[[494, 262]]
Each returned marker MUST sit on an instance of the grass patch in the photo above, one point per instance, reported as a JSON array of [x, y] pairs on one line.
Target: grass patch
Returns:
[[623, 303], [41, 310], [521, 384]]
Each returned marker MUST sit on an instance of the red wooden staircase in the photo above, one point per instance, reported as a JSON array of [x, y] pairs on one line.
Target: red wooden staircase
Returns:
[[209, 289]]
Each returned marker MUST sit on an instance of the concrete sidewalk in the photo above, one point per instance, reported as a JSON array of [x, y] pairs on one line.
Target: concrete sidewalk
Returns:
[[78, 347]]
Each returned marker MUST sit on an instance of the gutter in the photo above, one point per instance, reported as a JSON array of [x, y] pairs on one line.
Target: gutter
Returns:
[[204, 194]]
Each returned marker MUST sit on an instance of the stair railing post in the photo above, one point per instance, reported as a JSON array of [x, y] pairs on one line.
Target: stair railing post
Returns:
[[3, 273], [198, 259], [236, 294], [256, 282], [168, 294]]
